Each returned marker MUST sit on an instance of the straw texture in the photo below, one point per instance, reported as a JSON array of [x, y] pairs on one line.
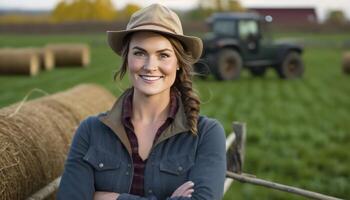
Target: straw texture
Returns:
[[35, 140]]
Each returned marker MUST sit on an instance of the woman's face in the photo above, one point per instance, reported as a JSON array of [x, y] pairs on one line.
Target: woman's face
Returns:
[[152, 63]]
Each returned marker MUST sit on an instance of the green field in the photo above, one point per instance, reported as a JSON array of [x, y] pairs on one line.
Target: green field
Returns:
[[298, 130]]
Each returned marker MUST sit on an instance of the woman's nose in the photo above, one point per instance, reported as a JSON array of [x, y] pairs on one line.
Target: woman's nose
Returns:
[[151, 64]]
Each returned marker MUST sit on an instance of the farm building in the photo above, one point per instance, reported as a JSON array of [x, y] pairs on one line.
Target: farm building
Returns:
[[290, 16]]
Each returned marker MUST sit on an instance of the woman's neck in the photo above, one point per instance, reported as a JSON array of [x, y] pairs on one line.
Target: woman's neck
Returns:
[[150, 109]]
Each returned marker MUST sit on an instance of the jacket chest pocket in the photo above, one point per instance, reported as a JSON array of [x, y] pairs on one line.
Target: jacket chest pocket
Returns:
[[106, 168], [174, 172]]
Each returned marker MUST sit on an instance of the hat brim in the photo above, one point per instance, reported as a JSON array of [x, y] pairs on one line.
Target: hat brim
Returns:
[[191, 43]]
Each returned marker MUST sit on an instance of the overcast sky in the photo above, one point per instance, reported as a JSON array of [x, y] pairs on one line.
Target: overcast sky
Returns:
[[322, 6]]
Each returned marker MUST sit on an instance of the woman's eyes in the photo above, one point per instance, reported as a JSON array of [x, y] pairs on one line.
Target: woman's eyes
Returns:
[[161, 55], [164, 55], [139, 53]]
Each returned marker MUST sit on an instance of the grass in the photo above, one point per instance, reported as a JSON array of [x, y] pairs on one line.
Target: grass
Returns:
[[298, 130]]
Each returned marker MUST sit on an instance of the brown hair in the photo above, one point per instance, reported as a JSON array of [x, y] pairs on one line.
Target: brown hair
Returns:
[[183, 81]]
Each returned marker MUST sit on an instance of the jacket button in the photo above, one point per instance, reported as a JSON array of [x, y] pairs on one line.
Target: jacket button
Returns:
[[127, 173], [150, 191], [129, 165], [179, 168], [100, 165]]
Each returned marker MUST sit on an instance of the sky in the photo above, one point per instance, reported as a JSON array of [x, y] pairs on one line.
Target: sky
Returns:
[[322, 6]]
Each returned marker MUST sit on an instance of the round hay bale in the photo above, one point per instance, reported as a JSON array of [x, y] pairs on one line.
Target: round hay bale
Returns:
[[33, 151], [15, 61], [70, 54], [34, 140], [346, 62], [83, 94], [46, 57]]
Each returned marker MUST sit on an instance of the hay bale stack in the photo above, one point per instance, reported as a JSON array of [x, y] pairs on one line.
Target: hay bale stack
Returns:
[[46, 58], [16, 61], [346, 62], [35, 140], [70, 54]]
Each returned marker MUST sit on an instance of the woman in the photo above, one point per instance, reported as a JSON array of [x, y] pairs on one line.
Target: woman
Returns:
[[152, 144]]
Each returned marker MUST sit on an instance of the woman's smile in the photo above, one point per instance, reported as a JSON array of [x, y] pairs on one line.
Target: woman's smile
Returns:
[[150, 78]]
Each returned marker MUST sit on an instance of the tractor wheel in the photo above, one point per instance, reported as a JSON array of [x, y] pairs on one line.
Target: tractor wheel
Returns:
[[257, 71], [229, 65], [291, 67]]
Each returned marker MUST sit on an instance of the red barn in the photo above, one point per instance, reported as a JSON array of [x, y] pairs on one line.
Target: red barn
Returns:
[[289, 16]]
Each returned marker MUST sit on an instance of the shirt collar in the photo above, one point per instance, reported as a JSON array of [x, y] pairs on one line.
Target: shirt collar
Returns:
[[113, 119]]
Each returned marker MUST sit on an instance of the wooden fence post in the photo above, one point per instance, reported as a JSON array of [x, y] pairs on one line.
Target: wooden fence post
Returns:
[[235, 147]]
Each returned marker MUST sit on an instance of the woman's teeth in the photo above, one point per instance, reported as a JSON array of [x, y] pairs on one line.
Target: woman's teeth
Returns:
[[150, 78]]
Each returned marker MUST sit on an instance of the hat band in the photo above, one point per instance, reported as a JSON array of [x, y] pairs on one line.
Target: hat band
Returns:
[[156, 24]]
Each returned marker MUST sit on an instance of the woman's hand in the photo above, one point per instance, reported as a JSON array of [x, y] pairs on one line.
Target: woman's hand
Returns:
[[105, 195], [185, 190]]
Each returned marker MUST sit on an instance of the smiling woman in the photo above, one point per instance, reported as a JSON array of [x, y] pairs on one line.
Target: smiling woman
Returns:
[[152, 64], [152, 144]]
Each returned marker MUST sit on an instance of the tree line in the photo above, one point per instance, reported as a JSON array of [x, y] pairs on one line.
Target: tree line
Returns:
[[104, 10], [90, 10]]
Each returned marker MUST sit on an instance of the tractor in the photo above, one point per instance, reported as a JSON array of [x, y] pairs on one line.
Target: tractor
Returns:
[[236, 42]]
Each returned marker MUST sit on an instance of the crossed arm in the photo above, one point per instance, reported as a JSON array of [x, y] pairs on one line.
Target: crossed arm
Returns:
[[208, 173], [185, 190]]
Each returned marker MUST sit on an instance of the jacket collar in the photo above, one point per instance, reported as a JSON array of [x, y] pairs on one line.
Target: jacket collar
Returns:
[[113, 119]]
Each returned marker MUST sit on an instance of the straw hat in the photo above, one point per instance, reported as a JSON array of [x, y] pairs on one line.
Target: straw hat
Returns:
[[156, 18]]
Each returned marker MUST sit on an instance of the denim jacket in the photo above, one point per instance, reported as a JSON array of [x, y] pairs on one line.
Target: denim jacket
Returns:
[[100, 160]]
